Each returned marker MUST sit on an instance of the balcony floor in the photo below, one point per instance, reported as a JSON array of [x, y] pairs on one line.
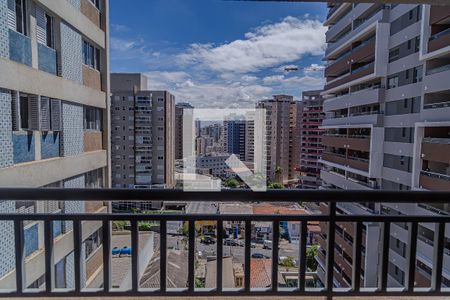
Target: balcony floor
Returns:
[[238, 298]]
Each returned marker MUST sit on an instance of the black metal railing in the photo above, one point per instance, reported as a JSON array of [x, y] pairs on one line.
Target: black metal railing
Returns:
[[332, 197]]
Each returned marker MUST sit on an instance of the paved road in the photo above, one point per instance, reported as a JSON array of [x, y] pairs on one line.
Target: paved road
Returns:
[[201, 208]]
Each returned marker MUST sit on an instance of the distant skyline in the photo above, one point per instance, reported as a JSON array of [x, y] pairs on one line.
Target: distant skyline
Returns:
[[217, 54]]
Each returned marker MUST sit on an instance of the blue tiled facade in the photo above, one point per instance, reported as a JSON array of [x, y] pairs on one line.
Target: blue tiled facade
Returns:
[[23, 146], [47, 59], [50, 145], [6, 153], [7, 256], [71, 54], [73, 132], [4, 34], [31, 239], [19, 48]]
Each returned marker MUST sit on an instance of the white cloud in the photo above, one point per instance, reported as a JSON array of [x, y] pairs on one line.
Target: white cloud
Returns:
[[314, 68], [266, 46], [120, 27]]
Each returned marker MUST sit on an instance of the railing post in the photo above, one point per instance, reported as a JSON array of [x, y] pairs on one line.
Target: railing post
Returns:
[[191, 262], [411, 257], [330, 247], [384, 257], [163, 255], [276, 239], [219, 255], [106, 256], [247, 254], [20, 255], [302, 256], [77, 244], [356, 268], [438, 257], [49, 259], [134, 256]]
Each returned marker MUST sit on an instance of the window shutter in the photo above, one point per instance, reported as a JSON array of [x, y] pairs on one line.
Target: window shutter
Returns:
[[55, 107], [45, 114], [12, 14], [15, 110], [34, 112]]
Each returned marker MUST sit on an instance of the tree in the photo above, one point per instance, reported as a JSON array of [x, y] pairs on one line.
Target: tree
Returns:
[[231, 183], [288, 262], [311, 253], [275, 185], [278, 173]]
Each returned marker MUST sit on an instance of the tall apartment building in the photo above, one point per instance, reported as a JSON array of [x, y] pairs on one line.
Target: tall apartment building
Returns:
[[250, 136], [179, 109], [283, 117], [142, 134], [387, 125], [234, 136], [312, 148], [54, 112]]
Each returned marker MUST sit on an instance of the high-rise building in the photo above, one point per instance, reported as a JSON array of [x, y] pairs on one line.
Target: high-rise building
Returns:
[[54, 112], [311, 145], [142, 134], [250, 136], [234, 135], [283, 116], [387, 125], [179, 109]]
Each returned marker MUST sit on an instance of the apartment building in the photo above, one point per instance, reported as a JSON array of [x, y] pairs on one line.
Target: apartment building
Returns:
[[387, 126], [250, 136], [142, 134], [179, 112], [54, 110], [283, 117], [311, 140], [234, 136]]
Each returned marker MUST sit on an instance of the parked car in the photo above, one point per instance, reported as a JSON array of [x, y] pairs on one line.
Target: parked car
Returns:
[[267, 244], [207, 240], [230, 242], [258, 255]]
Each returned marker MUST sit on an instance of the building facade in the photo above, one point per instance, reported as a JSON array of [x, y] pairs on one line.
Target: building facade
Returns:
[[283, 117], [143, 134], [387, 125], [312, 148], [234, 137], [179, 109], [54, 116]]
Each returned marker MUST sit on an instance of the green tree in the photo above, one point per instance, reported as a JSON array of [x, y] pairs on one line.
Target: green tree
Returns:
[[288, 262], [278, 173], [311, 253], [231, 183], [275, 185]]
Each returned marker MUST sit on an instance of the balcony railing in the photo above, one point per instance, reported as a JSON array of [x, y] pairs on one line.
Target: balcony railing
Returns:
[[436, 175], [295, 196], [441, 141], [441, 104]]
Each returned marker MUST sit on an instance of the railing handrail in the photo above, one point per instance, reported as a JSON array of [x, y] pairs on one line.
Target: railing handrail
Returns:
[[228, 195], [442, 141]]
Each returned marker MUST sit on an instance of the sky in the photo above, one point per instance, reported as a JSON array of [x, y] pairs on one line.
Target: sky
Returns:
[[219, 53]]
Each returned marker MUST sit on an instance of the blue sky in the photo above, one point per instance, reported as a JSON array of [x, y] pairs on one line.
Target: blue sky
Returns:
[[216, 53]]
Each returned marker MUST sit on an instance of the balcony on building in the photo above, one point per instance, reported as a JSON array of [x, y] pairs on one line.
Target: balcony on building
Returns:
[[364, 114], [440, 28], [351, 138], [19, 48]]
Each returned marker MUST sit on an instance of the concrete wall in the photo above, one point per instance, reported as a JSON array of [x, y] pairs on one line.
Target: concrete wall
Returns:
[[75, 3], [6, 153], [71, 53], [72, 134]]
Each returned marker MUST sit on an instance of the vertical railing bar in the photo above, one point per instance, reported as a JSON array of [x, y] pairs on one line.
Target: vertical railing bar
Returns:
[[49, 261], [134, 256], [77, 242], [19, 244], [384, 259], [191, 263], [275, 242], [163, 255], [302, 255], [356, 268], [411, 258], [106, 229], [247, 254], [219, 255], [330, 247], [438, 257]]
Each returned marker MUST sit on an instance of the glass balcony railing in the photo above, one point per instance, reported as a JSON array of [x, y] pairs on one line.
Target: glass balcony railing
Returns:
[[442, 141], [439, 104], [438, 70], [436, 175], [440, 34]]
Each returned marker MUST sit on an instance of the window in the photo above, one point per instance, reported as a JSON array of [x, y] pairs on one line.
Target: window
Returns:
[[394, 54], [96, 3], [91, 56], [21, 17], [393, 82], [24, 113], [93, 118], [49, 30], [418, 74]]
